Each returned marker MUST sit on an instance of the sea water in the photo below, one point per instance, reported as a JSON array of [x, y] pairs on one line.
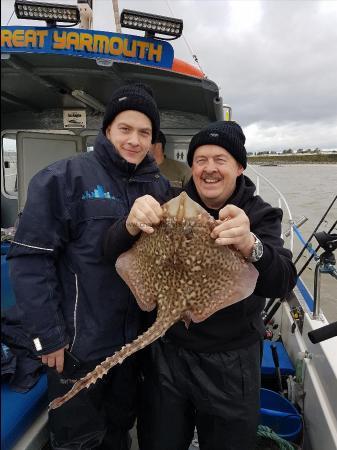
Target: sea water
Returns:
[[309, 190]]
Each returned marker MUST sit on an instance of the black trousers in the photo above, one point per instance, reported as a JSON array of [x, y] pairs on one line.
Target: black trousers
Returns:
[[216, 392], [96, 418]]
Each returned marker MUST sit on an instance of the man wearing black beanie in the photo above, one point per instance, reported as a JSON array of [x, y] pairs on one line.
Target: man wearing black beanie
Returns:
[[76, 309], [225, 134], [133, 97], [208, 375]]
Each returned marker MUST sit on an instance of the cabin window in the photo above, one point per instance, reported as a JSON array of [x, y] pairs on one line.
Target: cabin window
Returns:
[[177, 146], [9, 165]]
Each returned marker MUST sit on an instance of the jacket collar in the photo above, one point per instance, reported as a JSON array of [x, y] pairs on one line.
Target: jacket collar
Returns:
[[244, 189], [111, 160]]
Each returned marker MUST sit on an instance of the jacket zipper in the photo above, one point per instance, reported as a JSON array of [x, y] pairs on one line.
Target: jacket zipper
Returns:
[[75, 314]]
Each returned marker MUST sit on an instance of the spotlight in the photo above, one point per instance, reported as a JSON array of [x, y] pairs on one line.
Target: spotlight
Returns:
[[151, 23], [49, 12]]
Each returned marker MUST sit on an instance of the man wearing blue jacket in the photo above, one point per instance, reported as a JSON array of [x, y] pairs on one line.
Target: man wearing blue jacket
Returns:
[[71, 299]]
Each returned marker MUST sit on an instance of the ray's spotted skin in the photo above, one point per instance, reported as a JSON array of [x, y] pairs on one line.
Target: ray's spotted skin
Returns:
[[179, 269]]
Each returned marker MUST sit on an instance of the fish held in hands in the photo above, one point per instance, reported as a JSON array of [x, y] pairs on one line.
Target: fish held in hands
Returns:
[[180, 270]]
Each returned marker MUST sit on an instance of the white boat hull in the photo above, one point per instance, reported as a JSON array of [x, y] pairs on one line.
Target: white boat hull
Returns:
[[319, 376]]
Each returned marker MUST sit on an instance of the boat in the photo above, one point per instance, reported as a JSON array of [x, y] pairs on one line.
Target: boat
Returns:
[[56, 82]]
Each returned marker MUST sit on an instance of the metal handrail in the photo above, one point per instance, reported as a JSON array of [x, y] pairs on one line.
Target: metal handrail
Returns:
[[281, 199]]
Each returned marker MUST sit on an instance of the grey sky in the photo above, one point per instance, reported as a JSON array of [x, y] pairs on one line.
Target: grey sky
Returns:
[[275, 61]]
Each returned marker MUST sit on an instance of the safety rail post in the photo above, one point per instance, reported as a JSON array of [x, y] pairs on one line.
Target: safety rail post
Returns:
[[281, 198], [317, 291]]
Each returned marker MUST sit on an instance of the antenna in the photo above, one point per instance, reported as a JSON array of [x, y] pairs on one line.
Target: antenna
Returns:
[[116, 14], [85, 8], [194, 56]]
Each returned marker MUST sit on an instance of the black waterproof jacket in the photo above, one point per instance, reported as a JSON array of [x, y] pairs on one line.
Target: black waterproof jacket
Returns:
[[240, 325], [67, 292]]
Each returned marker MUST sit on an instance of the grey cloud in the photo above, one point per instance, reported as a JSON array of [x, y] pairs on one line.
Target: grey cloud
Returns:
[[284, 70], [278, 73]]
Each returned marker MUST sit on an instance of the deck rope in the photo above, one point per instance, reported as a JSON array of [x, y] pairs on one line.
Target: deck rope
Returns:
[[266, 432]]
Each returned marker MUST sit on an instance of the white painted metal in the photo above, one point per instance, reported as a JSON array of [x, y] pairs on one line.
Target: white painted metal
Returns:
[[320, 378], [36, 437], [281, 201]]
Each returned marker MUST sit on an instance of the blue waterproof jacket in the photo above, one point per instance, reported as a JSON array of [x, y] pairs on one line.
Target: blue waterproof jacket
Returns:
[[67, 292]]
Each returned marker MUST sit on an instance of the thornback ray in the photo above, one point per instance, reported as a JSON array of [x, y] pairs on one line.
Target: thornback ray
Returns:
[[180, 270]]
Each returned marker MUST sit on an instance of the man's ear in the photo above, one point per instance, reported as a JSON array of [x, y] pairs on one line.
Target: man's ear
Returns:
[[240, 169]]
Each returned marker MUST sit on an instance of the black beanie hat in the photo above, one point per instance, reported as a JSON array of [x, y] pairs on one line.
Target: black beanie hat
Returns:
[[137, 97], [226, 134]]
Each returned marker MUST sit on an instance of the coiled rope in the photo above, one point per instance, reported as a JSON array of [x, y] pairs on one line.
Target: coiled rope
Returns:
[[266, 432]]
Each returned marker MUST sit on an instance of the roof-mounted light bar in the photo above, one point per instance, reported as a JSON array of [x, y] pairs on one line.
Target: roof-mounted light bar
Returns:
[[151, 23], [49, 12]]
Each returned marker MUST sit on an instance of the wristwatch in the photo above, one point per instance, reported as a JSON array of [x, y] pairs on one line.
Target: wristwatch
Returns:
[[257, 251]]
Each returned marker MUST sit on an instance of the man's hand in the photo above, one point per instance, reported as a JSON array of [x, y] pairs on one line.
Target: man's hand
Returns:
[[55, 359], [234, 229], [146, 211]]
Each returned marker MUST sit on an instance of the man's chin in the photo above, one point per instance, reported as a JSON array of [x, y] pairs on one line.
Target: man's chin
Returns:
[[133, 158], [211, 190]]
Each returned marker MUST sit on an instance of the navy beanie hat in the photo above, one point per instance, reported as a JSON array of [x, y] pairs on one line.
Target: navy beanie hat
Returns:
[[227, 134], [136, 97]]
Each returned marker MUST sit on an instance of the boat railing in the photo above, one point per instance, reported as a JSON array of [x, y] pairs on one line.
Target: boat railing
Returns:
[[325, 263], [282, 203]]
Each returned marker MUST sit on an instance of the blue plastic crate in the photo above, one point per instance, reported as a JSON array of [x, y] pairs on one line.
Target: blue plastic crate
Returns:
[[268, 366]]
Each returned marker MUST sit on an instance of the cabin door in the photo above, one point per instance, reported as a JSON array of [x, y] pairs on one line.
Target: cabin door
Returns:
[[36, 151]]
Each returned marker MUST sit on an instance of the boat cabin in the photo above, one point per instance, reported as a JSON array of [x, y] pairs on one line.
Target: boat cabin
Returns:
[[53, 101]]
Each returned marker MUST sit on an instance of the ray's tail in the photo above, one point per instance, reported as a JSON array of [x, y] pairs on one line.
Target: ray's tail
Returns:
[[157, 330]]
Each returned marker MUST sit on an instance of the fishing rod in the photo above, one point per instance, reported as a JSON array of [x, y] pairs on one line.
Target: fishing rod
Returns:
[[271, 303], [316, 249], [313, 233], [270, 315], [272, 312]]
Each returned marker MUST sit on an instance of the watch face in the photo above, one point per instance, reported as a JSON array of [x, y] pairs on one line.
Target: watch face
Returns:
[[257, 250]]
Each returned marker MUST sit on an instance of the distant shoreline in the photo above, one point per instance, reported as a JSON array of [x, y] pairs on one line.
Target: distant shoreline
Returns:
[[292, 159]]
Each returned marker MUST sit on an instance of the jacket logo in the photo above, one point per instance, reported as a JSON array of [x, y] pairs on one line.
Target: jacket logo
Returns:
[[98, 193]]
